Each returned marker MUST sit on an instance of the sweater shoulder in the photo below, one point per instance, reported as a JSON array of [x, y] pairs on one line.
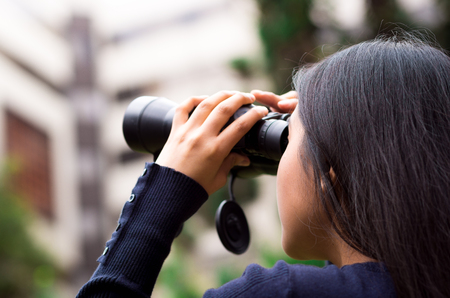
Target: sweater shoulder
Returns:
[[365, 280], [284, 280], [256, 281]]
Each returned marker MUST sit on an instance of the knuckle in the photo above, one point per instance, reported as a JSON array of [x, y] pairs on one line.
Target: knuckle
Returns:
[[213, 152], [204, 105], [211, 149], [194, 141], [180, 109], [224, 109], [241, 126], [197, 142], [241, 95]]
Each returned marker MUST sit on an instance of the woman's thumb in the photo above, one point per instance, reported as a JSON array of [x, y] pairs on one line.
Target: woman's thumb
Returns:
[[232, 160], [241, 160]]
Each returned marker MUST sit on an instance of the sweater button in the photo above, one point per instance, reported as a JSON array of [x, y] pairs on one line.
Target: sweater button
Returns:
[[144, 172], [105, 251], [132, 197]]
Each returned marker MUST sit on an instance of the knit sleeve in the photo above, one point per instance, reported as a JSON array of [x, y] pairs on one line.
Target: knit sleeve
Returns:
[[159, 204]]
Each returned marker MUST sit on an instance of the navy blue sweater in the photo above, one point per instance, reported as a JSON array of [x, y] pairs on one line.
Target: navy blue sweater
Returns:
[[160, 202]]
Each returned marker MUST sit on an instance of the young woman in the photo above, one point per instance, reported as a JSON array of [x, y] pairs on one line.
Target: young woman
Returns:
[[364, 181]]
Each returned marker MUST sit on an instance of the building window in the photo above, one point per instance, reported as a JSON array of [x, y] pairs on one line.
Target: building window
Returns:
[[28, 147]]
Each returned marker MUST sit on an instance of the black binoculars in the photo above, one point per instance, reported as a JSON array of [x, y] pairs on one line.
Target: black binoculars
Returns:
[[148, 120]]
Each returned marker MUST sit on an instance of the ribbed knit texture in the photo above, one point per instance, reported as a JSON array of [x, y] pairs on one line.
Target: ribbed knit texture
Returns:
[[164, 199]]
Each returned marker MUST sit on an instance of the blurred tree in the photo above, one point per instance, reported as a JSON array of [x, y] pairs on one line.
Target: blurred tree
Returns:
[[25, 270], [443, 30], [176, 277], [384, 11], [269, 258], [290, 36], [287, 32]]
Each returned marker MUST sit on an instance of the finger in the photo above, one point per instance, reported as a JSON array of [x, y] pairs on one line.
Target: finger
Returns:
[[267, 98], [234, 159], [182, 111], [290, 95], [223, 111], [273, 100], [204, 109], [236, 130], [287, 105]]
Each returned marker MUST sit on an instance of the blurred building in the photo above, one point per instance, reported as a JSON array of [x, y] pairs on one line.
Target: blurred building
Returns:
[[38, 134], [68, 69]]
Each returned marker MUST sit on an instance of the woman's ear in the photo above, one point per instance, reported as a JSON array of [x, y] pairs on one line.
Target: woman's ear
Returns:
[[333, 180], [333, 177]]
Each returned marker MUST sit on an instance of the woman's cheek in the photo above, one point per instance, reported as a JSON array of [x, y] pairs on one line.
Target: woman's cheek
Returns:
[[288, 196]]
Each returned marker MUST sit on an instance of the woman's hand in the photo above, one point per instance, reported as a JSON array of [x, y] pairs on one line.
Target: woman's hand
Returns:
[[198, 147], [285, 103]]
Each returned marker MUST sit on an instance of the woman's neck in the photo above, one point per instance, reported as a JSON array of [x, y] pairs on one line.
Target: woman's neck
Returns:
[[343, 254]]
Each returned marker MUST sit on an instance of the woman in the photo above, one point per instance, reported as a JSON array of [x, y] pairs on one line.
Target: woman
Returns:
[[363, 183]]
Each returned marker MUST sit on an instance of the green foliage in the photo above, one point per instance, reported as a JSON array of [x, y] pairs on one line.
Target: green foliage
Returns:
[[226, 274], [442, 31], [270, 257], [25, 270], [382, 12], [287, 33], [243, 66], [289, 38], [176, 277]]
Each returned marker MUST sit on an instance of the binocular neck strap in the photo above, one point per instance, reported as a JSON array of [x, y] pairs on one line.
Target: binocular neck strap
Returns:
[[230, 186]]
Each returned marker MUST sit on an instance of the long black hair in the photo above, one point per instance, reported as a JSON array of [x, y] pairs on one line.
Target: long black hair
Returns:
[[378, 114]]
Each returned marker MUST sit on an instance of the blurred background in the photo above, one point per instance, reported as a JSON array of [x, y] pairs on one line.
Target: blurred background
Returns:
[[68, 70]]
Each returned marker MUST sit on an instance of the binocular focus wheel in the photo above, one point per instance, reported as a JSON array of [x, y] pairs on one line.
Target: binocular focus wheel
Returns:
[[232, 227]]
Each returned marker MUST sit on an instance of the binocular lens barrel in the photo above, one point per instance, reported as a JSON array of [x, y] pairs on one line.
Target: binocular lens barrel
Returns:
[[148, 120], [147, 123]]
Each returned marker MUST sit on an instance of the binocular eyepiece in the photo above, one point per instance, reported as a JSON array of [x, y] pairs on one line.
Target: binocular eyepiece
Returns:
[[148, 121]]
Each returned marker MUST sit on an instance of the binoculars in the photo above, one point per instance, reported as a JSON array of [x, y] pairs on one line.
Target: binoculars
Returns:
[[148, 121]]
